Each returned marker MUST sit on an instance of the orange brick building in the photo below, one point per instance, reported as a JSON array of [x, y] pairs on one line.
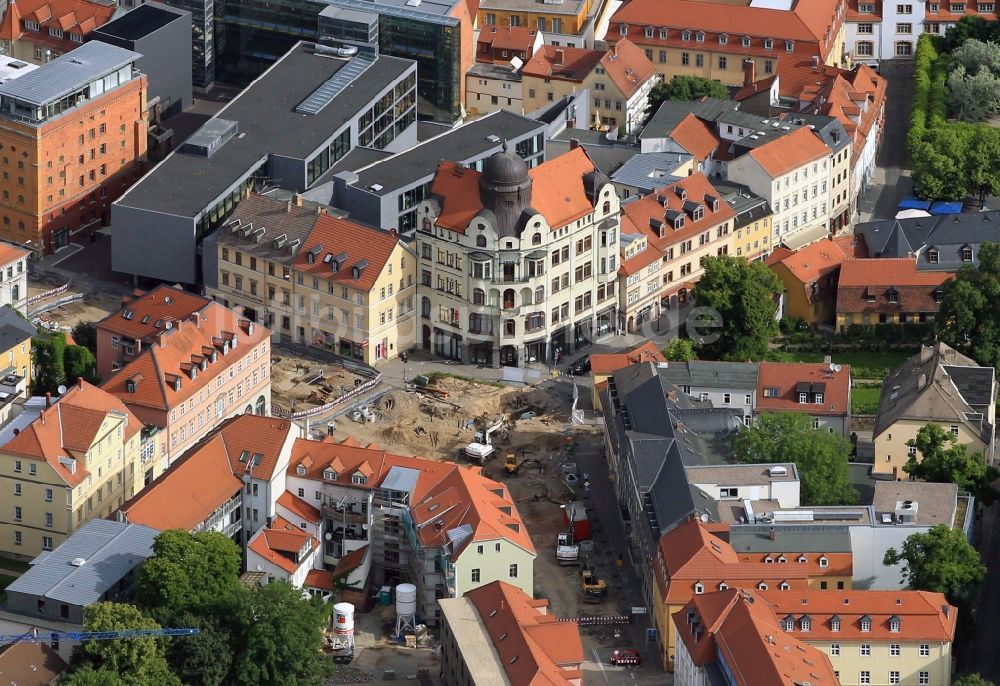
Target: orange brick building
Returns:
[[72, 139]]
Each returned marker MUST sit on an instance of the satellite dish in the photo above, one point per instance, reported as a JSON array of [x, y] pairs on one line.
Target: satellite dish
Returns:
[[836, 367], [61, 390], [328, 536], [260, 568]]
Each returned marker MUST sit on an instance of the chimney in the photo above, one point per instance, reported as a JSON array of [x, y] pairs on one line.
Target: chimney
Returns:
[[48, 400], [574, 143], [79, 382], [773, 534], [320, 210], [239, 310], [749, 71], [558, 59], [297, 199], [288, 207]]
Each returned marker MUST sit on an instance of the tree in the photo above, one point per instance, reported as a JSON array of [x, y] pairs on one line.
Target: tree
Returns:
[[281, 637], [188, 573], [79, 362], [983, 162], [743, 294], [679, 350], [821, 457], [48, 353], [940, 560], [137, 661], [967, 27], [88, 676], [684, 88], [976, 55], [937, 164], [971, 680], [968, 319], [205, 658], [85, 334], [943, 460], [973, 97]]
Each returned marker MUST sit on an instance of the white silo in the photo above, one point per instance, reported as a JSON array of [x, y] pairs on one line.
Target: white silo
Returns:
[[406, 608], [343, 626]]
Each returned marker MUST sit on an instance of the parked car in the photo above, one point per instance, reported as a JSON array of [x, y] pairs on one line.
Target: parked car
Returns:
[[625, 656], [581, 366]]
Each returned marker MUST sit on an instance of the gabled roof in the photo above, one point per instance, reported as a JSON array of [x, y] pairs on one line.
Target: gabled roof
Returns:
[[281, 543], [607, 363], [349, 246], [14, 329], [68, 428], [627, 66], [922, 615], [790, 378], [70, 16], [670, 113], [300, 507], [534, 647], [144, 315], [811, 262], [711, 374], [789, 152], [946, 235], [507, 37], [31, 664], [696, 137], [562, 63], [180, 352], [865, 285], [932, 386]]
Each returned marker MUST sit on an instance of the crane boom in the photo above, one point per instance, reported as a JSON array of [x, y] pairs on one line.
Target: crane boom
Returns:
[[36, 636]]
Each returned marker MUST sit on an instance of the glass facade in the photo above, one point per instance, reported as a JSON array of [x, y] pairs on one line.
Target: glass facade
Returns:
[[203, 45], [330, 155], [391, 115], [255, 33], [437, 50]]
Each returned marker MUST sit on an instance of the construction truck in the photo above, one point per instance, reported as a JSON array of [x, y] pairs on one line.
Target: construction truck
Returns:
[[481, 449], [512, 467], [567, 552], [594, 588]]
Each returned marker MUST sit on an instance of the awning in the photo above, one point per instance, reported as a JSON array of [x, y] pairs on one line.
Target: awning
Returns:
[[911, 203], [943, 207], [801, 239]]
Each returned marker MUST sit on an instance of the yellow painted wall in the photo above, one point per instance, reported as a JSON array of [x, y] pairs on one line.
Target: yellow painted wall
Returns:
[[753, 240], [850, 662], [571, 24], [19, 357], [891, 451]]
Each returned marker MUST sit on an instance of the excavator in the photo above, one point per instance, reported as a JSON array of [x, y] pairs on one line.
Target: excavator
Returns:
[[594, 588], [481, 449], [512, 467]]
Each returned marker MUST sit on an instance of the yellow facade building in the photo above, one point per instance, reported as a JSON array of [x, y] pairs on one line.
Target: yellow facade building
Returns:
[[15, 344], [80, 459], [564, 20]]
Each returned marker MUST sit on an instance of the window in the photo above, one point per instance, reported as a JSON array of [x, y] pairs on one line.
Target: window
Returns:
[[893, 677], [17, 538], [866, 650], [866, 625], [46, 543], [924, 678], [865, 677], [699, 588], [835, 624], [17, 513], [904, 49], [762, 586], [866, 48], [894, 650], [866, 28], [48, 519], [805, 623], [512, 571], [894, 626], [904, 9], [933, 256], [966, 254], [17, 466], [834, 649], [824, 562], [954, 430], [722, 62], [904, 27], [48, 495], [925, 650], [475, 576]]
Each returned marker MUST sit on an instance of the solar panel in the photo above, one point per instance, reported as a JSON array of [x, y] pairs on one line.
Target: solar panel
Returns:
[[322, 96]]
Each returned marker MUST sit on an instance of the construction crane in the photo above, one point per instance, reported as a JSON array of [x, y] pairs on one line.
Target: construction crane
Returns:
[[36, 636]]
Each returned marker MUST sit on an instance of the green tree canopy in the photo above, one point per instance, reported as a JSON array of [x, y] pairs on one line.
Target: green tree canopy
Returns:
[[976, 55], [940, 459], [973, 96], [79, 362], [281, 637], [971, 680], [85, 334], [743, 294], [969, 319], [679, 350], [205, 658], [938, 169], [821, 457], [982, 163], [684, 88], [88, 676], [188, 573], [137, 661], [940, 560], [48, 352]]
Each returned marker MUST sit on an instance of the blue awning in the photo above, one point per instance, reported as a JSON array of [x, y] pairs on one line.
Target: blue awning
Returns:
[[911, 203], [945, 207]]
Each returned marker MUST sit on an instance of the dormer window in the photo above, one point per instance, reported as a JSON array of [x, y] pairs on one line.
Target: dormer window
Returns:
[[623, 29], [966, 254], [818, 398], [723, 39], [866, 623], [699, 213], [203, 365], [649, 32], [762, 586], [893, 295], [803, 398], [663, 34], [768, 44], [301, 470], [329, 475], [193, 373], [784, 586], [768, 560], [805, 623], [746, 41], [801, 558], [177, 383], [835, 624], [130, 386], [699, 588], [31, 25], [894, 624], [359, 479], [699, 37], [679, 222], [723, 586], [824, 562], [933, 256], [789, 623], [685, 35], [782, 559], [789, 45]]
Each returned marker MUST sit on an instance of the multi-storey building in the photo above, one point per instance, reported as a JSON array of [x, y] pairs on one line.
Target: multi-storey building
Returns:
[[39, 31], [818, 389], [938, 243], [286, 129], [516, 263], [712, 39], [14, 277], [196, 373], [678, 226], [874, 637], [809, 277], [203, 39], [74, 131], [16, 333], [888, 291], [83, 456], [569, 24], [752, 224], [619, 81], [501, 44], [939, 386]]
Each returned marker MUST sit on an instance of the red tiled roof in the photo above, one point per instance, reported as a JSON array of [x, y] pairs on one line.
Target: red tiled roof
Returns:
[[280, 544], [922, 615], [144, 316], [68, 429], [255, 444], [854, 14], [608, 363], [758, 86], [899, 271], [351, 561], [696, 137], [640, 260], [31, 664], [9, 253], [786, 376], [321, 579], [741, 630], [562, 63], [520, 38], [811, 262], [534, 648], [70, 16], [300, 507], [783, 154], [627, 66], [557, 191], [179, 349], [332, 236], [864, 286]]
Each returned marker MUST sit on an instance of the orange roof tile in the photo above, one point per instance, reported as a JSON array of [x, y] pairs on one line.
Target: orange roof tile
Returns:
[[9, 252], [811, 262], [281, 543], [534, 647], [789, 152], [742, 631], [696, 137], [785, 377], [922, 615], [898, 271], [11, 28], [562, 63], [608, 363], [31, 664], [854, 14], [255, 444], [627, 66], [300, 507], [148, 380], [332, 237], [76, 16], [865, 283], [640, 260], [68, 429], [144, 317], [519, 38], [321, 579], [351, 561]]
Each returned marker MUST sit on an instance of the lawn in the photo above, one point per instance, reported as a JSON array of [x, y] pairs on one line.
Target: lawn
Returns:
[[874, 365], [864, 400]]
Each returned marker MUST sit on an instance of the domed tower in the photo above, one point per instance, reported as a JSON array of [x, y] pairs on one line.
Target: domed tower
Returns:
[[505, 189]]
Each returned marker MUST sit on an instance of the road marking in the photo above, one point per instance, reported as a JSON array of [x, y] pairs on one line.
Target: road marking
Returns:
[[601, 665]]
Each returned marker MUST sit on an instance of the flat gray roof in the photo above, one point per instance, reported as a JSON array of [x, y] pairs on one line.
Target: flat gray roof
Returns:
[[935, 503], [434, 11], [185, 184], [110, 550], [465, 142], [68, 72], [739, 474], [650, 170]]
